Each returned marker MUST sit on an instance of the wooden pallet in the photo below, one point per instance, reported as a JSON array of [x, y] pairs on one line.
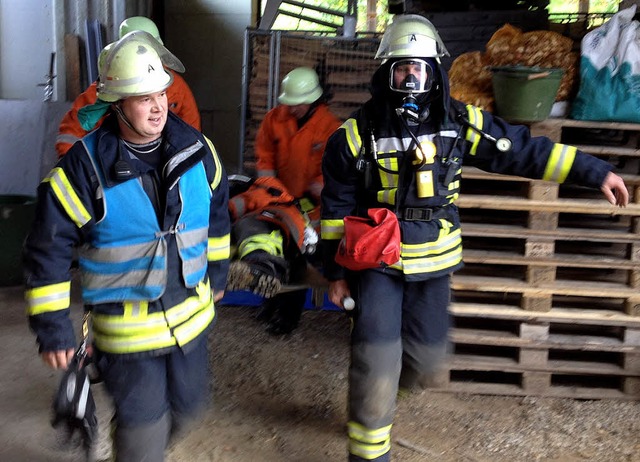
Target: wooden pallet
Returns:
[[544, 241], [549, 300], [573, 353]]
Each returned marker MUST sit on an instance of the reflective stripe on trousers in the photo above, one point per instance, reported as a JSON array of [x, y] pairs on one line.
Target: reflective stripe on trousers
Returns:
[[391, 313]]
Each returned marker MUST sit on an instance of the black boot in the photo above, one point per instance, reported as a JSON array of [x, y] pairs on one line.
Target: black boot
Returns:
[[287, 308]]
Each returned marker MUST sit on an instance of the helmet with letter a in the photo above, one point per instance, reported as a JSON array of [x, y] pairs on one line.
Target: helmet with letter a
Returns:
[[133, 66], [413, 46]]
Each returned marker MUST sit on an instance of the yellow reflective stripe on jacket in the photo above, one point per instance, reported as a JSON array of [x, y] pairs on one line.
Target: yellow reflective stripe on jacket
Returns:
[[387, 196], [433, 264], [136, 330], [216, 160], [219, 248], [445, 242], [44, 299], [67, 197], [354, 141], [332, 229], [431, 257], [387, 178], [559, 163], [476, 119], [366, 443]]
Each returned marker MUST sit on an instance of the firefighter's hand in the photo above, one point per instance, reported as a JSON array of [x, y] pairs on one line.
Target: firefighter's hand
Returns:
[[217, 295], [338, 290], [58, 359], [614, 190]]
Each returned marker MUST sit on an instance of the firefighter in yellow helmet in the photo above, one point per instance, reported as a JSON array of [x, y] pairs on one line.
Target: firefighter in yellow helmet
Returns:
[[74, 126], [143, 202], [403, 151]]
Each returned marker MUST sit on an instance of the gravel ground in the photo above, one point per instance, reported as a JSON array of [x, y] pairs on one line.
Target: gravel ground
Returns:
[[284, 400]]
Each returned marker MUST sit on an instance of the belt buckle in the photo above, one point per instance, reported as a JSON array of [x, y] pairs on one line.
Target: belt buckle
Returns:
[[416, 214]]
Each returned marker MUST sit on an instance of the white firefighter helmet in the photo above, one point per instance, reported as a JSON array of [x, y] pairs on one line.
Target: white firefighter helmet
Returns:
[[411, 36], [132, 66], [300, 86]]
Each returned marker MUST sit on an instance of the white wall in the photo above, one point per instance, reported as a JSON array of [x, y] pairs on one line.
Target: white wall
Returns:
[[26, 43]]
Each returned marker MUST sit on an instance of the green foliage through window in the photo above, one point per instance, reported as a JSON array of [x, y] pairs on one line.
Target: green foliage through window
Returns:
[[286, 22]]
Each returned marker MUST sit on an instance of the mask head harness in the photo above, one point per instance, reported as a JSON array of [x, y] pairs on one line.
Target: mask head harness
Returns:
[[414, 78]]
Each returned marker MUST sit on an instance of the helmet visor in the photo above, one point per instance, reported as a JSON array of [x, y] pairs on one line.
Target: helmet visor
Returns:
[[411, 76]]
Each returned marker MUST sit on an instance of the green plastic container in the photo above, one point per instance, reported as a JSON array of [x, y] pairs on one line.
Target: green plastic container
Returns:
[[16, 215], [525, 94]]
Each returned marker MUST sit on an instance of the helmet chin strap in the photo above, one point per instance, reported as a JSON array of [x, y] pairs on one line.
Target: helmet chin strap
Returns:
[[124, 118]]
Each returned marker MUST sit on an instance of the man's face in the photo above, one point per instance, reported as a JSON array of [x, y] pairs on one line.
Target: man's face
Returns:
[[411, 76], [147, 114], [401, 73], [299, 110]]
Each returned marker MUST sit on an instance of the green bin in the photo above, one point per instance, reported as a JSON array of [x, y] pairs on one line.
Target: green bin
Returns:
[[16, 215], [525, 94]]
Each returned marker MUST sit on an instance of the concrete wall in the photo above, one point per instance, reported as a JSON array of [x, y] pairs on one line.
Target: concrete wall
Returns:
[[27, 132], [208, 36]]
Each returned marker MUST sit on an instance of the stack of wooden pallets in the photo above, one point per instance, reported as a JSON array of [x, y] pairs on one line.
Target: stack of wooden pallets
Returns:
[[549, 300]]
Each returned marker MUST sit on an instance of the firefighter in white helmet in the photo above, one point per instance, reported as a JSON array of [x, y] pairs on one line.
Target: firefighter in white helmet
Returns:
[[76, 123], [403, 151], [143, 201]]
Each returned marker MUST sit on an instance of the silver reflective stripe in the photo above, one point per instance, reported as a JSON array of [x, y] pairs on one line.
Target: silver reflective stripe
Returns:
[[403, 144], [180, 157], [133, 278], [195, 264], [193, 237], [92, 281], [115, 254]]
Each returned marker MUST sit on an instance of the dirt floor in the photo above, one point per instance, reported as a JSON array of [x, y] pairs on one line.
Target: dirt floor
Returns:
[[284, 400]]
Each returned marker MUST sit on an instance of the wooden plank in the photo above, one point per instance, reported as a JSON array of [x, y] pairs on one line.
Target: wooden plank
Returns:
[[575, 288], [503, 364], [555, 341], [72, 66], [566, 234], [558, 315], [590, 207], [474, 173], [551, 392], [559, 259]]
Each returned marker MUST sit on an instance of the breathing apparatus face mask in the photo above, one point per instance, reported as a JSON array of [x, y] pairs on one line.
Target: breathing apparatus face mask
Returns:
[[414, 78]]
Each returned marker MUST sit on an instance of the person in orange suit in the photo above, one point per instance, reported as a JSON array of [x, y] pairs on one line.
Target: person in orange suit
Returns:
[[289, 148], [180, 98]]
